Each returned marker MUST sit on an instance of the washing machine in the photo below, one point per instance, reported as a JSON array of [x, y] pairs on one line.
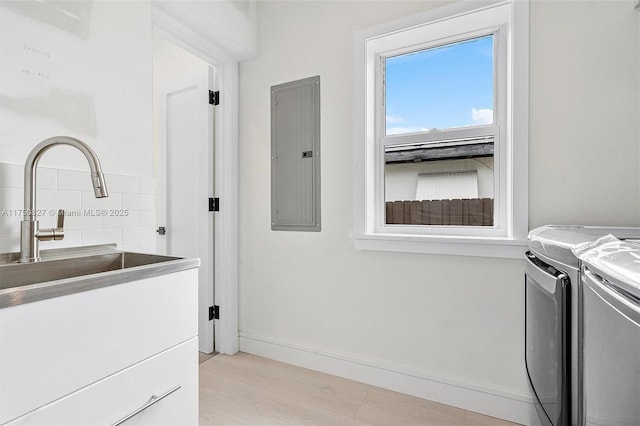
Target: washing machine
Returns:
[[552, 318], [611, 334]]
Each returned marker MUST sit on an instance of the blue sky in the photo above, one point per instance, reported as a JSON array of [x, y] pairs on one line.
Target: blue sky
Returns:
[[444, 87]]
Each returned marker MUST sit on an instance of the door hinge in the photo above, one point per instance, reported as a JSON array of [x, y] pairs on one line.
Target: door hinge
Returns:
[[214, 312], [214, 97], [214, 204]]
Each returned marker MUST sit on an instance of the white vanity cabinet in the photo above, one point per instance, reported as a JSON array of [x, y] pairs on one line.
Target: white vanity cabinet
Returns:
[[157, 391], [95, 357]]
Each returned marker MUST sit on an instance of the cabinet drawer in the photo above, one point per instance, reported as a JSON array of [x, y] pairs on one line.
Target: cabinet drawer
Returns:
[[51, 348], [115, 398]]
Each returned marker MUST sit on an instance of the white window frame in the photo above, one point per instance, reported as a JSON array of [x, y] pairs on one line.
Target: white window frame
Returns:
[[491, 23], [509, 21]]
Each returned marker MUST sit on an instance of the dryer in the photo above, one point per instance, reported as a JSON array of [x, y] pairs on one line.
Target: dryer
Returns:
[[552, 318], [611, 334]]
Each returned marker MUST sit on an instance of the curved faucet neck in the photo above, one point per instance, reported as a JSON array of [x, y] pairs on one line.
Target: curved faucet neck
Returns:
[[30, 233], [31, 165]]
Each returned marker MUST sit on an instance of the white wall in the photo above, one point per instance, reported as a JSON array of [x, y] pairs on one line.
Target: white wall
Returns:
[[90, 80], [68, 69], [393, 318], [584, 113]]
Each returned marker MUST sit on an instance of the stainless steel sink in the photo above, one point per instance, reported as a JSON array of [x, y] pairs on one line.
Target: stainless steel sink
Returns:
[[70, 270], [19, 274]]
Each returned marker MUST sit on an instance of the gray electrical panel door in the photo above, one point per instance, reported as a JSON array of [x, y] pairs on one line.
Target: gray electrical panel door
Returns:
[[295, 155]]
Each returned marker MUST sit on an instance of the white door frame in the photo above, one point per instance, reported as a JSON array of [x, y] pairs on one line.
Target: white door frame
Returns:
[[226, 167]]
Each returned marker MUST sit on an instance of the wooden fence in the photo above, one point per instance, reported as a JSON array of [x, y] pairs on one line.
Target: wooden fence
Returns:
[[461, 212]]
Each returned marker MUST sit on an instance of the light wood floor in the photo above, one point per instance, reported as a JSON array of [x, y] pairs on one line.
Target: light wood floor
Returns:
[[245, 389]]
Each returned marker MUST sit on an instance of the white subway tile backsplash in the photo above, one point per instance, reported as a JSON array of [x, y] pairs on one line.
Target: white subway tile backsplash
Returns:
[[9, 224], [11, 175], [122, 184], [46, 178], [90, 202], [75, 180], [135, 248], [101, 236], [132, 236], [11, 198], [11, 206], [77, 220], [147, 185], [48, 200], [148, 247], [10, 243], [127, 217], [71, 239], [138, 201], [147, 218], [143, 238], [146, 238]]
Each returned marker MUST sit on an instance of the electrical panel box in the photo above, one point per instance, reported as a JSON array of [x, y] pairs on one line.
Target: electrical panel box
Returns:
[[295, 155]]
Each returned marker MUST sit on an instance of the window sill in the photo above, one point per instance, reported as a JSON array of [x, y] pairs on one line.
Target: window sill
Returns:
[[479, 247]]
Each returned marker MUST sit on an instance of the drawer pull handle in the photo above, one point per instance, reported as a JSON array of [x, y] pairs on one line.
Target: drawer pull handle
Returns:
[[149, 403]]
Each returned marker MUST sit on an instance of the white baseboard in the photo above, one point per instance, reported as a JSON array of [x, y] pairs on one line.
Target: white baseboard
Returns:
[[493, 402]]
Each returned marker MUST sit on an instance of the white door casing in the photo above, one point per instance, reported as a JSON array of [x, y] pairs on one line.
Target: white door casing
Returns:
[[187, 30], [185, 183]]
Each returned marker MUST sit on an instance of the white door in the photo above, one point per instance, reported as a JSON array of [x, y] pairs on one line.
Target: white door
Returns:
[[185, 183]]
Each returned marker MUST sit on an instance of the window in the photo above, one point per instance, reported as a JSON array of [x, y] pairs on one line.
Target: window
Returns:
[[449, 85], [440, 139]]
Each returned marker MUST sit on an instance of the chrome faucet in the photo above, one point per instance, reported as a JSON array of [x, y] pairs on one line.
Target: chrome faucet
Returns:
[[29, 232]]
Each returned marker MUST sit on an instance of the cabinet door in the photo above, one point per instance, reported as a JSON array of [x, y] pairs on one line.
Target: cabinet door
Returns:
[[162, 390], [88, 336]]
